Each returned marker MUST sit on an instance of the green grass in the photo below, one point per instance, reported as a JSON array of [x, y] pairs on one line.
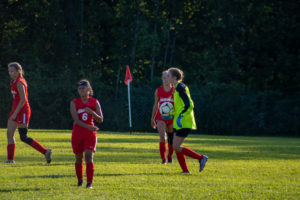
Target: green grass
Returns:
[[128, 167]]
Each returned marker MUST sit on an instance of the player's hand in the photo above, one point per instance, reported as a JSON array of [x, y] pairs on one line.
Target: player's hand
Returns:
[[13, 117], [93, 128], [153, 123], [88, 110], [178, 121]]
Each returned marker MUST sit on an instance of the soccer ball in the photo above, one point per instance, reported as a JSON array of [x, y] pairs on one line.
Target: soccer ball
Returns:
[[166, 110]]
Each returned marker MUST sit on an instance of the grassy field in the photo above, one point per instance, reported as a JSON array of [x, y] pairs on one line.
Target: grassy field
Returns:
[[128, 167]]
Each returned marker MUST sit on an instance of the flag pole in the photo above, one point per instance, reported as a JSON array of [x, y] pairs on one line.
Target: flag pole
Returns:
[[129, 105]]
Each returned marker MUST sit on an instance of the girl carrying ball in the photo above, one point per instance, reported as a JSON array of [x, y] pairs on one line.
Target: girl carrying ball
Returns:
[[164, 124]]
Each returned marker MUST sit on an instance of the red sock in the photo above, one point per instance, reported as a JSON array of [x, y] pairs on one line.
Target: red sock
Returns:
[[36, 145], [191, 153], [163, 150], [11, 151], [171, 151], [78, 169], [182, 161], [89, 172]]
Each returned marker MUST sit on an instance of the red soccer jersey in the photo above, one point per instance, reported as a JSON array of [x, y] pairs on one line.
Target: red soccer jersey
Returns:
[[16, 95], [82, 115], [164, 96]]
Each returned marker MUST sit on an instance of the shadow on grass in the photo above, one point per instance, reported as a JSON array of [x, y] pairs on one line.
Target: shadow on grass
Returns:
[[139, 174], [50, 176], [20, 190]]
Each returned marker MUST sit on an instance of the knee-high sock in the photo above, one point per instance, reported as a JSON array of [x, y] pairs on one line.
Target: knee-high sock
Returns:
[[36, 145], [171, 151], [89, 172], [182, 161], [78, 169], [190, 153], [11, 151], [162, 150]]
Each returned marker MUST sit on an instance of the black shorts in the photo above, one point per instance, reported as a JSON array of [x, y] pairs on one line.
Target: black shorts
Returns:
[[182, 132]]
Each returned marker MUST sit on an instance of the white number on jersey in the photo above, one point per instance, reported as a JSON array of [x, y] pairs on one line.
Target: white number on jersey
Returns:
[[84, 116]]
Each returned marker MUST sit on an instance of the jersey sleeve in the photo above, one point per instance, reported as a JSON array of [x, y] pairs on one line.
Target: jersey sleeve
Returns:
[[188, 103]]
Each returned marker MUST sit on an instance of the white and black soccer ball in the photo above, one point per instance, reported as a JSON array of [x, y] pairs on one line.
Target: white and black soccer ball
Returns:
[[166, 110]]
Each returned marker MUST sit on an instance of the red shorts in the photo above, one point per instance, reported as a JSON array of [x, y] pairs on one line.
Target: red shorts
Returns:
[[83, 139], [168, 122], [23, 116]]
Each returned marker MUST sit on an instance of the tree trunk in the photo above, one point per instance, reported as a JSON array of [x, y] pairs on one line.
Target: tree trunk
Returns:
[[167, 49], [81, 32], [137, 26], [173, 47], [118, 78], [154, 43]]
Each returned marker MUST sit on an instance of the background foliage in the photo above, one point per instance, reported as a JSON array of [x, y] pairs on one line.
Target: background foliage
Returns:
[[240, 58]]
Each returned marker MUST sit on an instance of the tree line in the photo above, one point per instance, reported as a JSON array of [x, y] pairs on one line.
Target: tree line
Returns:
[[240, 58]]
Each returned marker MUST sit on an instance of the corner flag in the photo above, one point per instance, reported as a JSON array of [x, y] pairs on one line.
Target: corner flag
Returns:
[[128, 76], [128, 80]]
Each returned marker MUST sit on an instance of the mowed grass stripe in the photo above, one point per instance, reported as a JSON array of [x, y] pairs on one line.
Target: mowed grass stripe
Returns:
[[127, 166]]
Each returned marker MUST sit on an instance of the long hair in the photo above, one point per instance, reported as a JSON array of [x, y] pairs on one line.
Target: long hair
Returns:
[[17, 67], [85, 82]]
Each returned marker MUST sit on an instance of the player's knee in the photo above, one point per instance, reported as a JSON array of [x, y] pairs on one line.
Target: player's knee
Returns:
[[23, 136], [170, 138], [176, 148], [88, 157]]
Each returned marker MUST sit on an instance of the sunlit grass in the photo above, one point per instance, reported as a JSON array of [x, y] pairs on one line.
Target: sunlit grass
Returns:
[[127, 166]]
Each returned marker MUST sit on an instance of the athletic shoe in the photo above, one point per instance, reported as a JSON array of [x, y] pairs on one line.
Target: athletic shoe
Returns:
[[48, 155], [89, 186], [203, 162], [188, 172], [10, 161], [170, 160], [163, 162], [80, 183]]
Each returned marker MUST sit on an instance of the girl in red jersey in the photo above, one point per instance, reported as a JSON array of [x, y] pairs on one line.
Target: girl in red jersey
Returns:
[[84, 110], [20, 114], [163, 94]]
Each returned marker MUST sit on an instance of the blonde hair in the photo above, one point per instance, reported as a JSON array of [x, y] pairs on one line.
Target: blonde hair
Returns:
[[85, 82], [175, 72], [17, 67]]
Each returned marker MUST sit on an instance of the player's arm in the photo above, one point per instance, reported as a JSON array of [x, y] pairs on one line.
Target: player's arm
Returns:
[[188, 104], [76, 119], [21, 90], [98, 115], [154, 110]]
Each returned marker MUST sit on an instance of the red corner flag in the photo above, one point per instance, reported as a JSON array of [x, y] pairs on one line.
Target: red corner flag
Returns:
[[128, 75]]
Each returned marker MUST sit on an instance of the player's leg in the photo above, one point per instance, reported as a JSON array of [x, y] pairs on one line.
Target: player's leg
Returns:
[[161, 127], [77, 146], [79, 168], [170, 134], [23, 121], [11, 142], [188, 152], [89, 160], [89, 149], [177, 142]]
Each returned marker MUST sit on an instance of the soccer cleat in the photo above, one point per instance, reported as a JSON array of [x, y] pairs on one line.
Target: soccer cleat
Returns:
[[170, 160], [10, 161], [188, 172], [48, 155], [203, 162], [163, 162], [80, 183], [89, 185]]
